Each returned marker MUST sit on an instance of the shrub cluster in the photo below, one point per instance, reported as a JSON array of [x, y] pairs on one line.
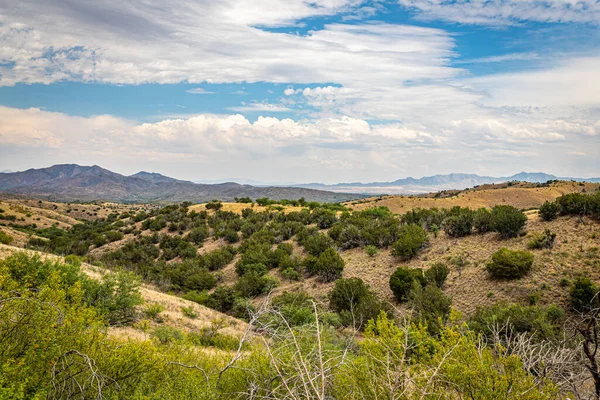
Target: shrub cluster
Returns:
[[510, 264]]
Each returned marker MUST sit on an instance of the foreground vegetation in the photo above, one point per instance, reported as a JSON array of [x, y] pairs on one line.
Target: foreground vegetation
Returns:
[[349, 344]]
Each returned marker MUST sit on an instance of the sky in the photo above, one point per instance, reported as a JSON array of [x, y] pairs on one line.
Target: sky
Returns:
[[302, 91]]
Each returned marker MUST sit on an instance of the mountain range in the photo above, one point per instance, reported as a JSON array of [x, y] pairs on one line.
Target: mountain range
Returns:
[[435, 183], [72, 182]]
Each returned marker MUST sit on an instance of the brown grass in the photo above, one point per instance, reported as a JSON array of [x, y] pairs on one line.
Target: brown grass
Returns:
[[238, 207], [520, 196]]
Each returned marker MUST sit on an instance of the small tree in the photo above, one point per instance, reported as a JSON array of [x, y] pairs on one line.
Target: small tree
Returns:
[[437, 274], [431, 305], [459, 223], [508, 221], [482, 220], [583, 293], [510, 264], [329, 265], [411, 239], [402, 280], [549, 210], [355, 302]]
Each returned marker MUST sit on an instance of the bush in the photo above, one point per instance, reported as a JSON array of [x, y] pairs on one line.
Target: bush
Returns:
[[549, 211], [510, 264], [153, 310], [355, 302], [542, 240], [214, 205], [166, 334], [221, 299], [401, 281], [508, 221], [198, 235], [431, 305], [482, 220], [317, 244], [371, 250], [437, 274], [411, 239], [583, 294], [573, 203], [189, 312], [5, 239], [459, 223], [544, 322], [254, 284], [329, 265]]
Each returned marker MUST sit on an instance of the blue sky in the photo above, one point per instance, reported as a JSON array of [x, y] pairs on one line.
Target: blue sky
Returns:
[[295, 91]]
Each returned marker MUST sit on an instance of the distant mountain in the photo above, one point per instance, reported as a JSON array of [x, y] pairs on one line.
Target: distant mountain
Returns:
[[156, 178], [436, 183], [72, 182]]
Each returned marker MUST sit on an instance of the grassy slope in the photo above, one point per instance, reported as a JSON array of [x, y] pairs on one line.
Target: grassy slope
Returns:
[[522, 196], [171, 315]]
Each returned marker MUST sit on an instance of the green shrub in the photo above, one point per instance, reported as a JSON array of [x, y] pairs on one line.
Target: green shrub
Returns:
[[198, 235], [459, 222], [543, 322], [317, 244], [214, 205], [153, 310], [167, 334], [583, 295], [549, 210], [508, 221], [573, 203], [189, 312], [329, 265], [401, 281], [5, 238], [482, 220], [510, 264], [355, 302], [221, 299], [431, 305], [437, 274], [542, 240], [253, 284], [411, 239], [371, 250]]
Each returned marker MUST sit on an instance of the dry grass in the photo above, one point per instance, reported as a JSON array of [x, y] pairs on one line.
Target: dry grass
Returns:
[[171, 315], [238, 207], [522, 196], [45, 214]]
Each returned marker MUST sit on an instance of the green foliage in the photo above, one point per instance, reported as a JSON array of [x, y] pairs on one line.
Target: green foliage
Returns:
[[508, 221], [5, 238], [376, 227], [116, 297], [219, 258], [431, 305], [459, 222], [167, 334], [317, 243], [482, 220], [355, 302], [214, 205], [583, 295], [510, 264], [543, 322], [189, 312], [411, 239], [401, 281], [542, 240], [371, 250], [198, 235], [253, 284], [437, 274], [329, 266], [153, 310], [549, 210]]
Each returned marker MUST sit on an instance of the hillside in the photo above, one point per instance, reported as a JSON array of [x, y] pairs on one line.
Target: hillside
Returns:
[[519, 194], [70, 182]]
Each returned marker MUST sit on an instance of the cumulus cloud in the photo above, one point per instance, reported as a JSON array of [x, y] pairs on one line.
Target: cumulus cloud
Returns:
[[352, 148]]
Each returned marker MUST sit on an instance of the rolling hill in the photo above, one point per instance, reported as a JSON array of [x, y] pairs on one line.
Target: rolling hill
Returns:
[[71, 182]]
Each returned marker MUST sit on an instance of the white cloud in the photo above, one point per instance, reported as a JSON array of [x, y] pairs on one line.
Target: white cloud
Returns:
[[199, 91], [256, 107], [506, 12], [352, 148]]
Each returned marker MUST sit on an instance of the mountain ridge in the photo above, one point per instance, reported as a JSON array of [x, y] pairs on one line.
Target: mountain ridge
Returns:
[[73, 182]]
